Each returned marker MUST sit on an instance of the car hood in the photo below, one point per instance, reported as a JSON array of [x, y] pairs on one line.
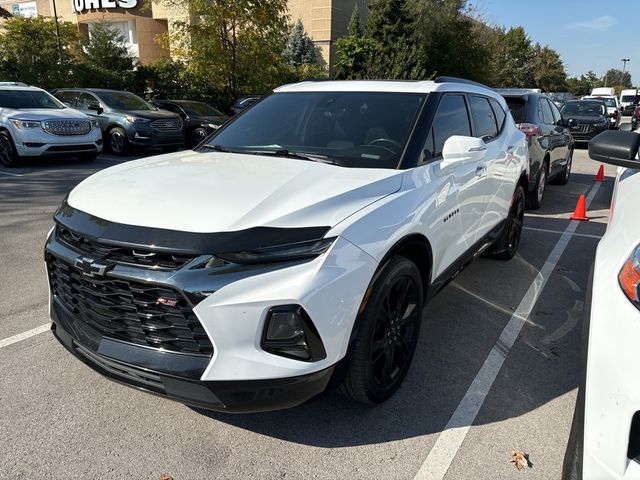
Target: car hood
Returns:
[[220, 192], [45, 114], [583, 119]]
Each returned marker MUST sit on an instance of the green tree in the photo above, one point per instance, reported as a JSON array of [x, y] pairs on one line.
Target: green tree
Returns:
[[106, 58], [29, 53], [547, 69], [513, 53], [392, 29], [300, 49], [354, 51], [615, 77], [235, 46]]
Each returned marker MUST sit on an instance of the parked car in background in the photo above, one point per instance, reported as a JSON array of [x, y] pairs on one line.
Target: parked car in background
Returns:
[[585, 118], [199, 118], [550, 142], [243, 103], [628, 101], [605, 436], [635, 118], [297, 245], [126, 120], [35, 124], [613, 108]]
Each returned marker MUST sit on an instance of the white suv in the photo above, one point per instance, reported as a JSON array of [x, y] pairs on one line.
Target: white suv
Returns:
[[35, 124], [299, 243]]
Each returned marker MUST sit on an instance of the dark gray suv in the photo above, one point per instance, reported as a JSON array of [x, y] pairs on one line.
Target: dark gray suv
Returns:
[[126, 120]]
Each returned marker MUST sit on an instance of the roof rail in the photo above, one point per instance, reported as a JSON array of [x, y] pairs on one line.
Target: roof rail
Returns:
[[445, 79]]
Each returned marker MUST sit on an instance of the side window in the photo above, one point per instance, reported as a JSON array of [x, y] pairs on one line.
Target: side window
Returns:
[[499, 112], [544, 111], [86, 99], [451, 118], [67, 97], [172, 107], [555, 112], [484, 119]]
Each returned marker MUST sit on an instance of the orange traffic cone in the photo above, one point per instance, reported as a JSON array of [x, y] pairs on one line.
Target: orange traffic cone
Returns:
[[580, 213], [600, 174]]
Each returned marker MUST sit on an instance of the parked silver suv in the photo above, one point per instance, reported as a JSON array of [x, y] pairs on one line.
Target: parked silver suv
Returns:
[[35, 124]]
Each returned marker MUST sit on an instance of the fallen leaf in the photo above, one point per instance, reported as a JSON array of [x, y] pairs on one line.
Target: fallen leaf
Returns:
[[164, 476], [521, 460]]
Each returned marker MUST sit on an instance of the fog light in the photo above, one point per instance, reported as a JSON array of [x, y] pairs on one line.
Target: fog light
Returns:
[[289, 332]]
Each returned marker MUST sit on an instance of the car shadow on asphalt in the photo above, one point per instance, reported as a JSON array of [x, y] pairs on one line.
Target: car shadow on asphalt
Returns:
[[460, 327]]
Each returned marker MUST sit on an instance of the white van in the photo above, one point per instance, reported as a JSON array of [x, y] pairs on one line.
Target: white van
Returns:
[[628, 101], [603, 91]]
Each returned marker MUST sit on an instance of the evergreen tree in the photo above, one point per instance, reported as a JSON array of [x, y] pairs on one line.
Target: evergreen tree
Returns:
[[300, 49], [513, 54], [547, 69], [392, 29], [354, 50]]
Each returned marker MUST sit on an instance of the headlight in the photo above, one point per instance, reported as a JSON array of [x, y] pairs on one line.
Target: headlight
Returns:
[[212, 125], [282, 253], [629, 277], [95, 124], [132, 119], [25, 124], [601, 124]]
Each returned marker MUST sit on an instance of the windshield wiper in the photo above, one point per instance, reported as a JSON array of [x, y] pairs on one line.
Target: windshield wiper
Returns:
[[283, 152], [217, 148]]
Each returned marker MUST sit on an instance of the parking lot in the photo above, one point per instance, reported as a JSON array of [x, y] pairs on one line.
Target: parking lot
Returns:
[[459, 414]]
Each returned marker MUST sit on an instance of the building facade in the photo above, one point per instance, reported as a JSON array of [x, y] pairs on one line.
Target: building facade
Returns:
[[324, 20]]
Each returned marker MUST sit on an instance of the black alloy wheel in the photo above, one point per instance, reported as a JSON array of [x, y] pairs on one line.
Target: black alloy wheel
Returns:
[[8, 154], [507, 244], [387, 333], [117, 141], [198, 135]]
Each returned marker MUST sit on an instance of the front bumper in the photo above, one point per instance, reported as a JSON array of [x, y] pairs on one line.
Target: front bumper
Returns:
[[585, 133], [143, 137], [36, 143], [176, 376]]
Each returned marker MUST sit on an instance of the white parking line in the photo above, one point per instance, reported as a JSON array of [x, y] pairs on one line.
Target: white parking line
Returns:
[[450, 440], [24, 335], [558, 232], [12, 174]]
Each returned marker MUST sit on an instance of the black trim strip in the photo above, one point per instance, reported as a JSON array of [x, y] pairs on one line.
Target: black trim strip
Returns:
[[179, 242]]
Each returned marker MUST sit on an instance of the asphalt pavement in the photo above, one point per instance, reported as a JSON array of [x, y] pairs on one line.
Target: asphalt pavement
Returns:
[[458, 412]]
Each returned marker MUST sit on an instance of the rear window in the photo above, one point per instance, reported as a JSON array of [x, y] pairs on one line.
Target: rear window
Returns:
[[628, 98], [518, 109]]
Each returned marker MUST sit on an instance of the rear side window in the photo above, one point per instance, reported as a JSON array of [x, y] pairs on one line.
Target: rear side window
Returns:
[[544, 112], [518, 109], [451, 118], [499, 112], [484, 119]]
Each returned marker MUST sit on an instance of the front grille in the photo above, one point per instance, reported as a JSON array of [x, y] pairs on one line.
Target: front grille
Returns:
[[128, 310], [121, 255], [167, 125], [67, 127], [582, 128]]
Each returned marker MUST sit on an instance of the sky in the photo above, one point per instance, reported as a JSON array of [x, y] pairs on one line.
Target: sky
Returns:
[[588, 34]]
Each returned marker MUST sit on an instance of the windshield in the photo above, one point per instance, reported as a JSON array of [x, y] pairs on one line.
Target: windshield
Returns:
[[125, 101], [589, 109], [199, 108], [609, 101], [628, 98], [518, 108], [352, 129], [24, 99]]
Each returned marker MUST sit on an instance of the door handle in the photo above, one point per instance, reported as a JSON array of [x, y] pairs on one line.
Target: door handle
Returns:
[[481, 171], [477, 149]]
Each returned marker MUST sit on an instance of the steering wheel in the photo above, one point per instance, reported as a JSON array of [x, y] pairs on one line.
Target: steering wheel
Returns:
[[388, 141]]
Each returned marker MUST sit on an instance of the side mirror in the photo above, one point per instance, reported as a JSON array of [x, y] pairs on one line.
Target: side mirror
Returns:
[[616, 148], [95, 107], [459, 148]]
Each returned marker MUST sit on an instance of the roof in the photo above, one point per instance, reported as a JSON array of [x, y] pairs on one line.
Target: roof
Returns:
[[20, 88], [388, 86]]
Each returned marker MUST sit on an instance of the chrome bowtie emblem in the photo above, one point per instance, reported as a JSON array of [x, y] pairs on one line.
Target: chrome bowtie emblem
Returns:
[[91, 267]]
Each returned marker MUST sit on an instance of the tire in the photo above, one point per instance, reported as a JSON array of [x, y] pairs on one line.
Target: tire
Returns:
[[534, 198], [387, 334], [198, 135], [117, 141], [8, 155], [506, 245], [563, 178]]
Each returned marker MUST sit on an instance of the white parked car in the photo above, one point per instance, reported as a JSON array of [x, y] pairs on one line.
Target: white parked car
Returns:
[[35, 124], [300, 243], [605, 437]]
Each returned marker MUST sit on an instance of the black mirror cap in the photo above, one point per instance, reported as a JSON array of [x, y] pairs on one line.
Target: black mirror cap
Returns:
[[96, 107], [616, 148]]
